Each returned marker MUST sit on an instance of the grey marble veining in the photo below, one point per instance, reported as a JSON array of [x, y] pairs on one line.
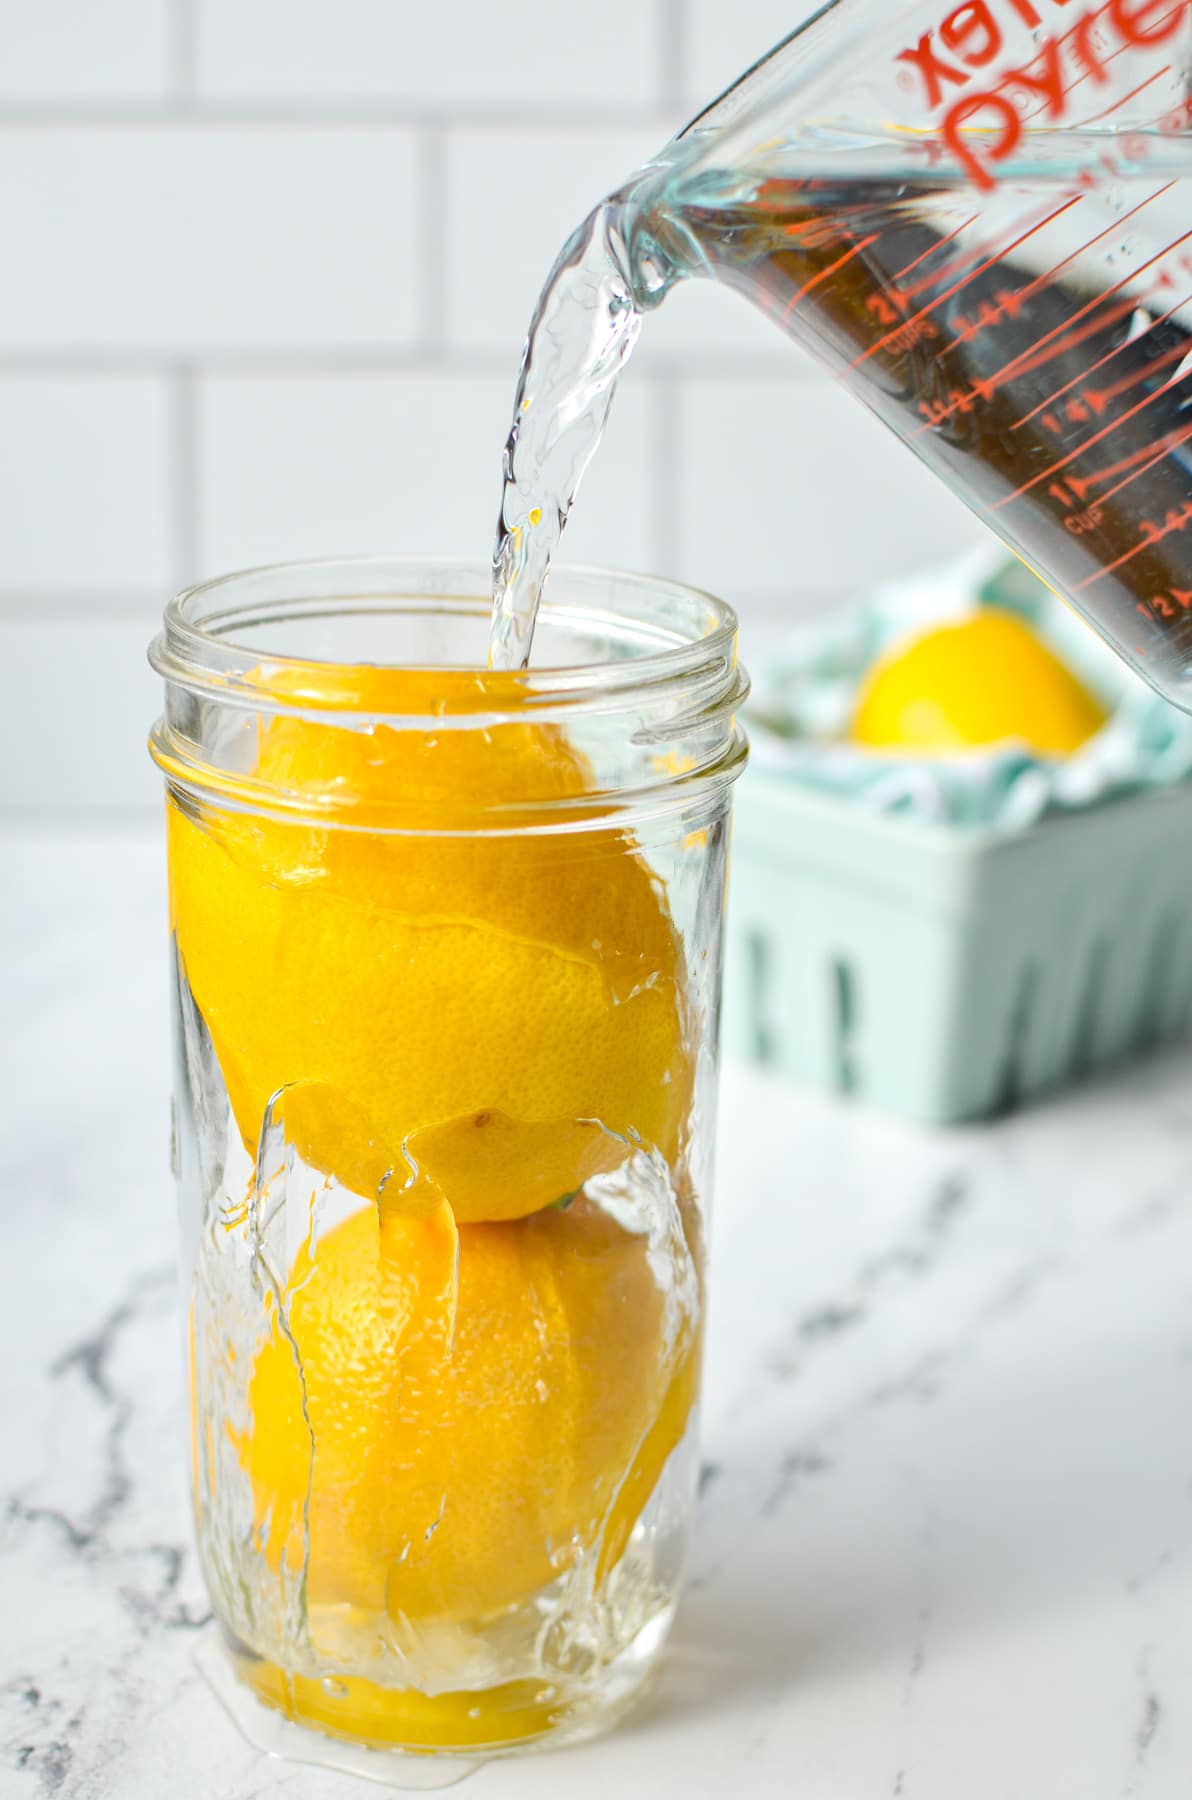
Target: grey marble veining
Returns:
[[945, 1535]]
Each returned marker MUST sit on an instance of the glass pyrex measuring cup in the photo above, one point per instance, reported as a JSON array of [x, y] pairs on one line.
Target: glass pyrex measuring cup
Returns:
[[978, 216]]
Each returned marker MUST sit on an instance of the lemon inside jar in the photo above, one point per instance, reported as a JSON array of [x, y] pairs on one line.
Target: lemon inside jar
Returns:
[[469, 1387]]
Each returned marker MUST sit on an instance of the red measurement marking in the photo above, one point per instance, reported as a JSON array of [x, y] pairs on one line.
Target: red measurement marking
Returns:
[[1177, 119], [1177, 520], [1006, 304], [1168, 604], [952, 235], [1026, 357], [822, 223], [934, 410], [1043, 76], [1162, 450], [824, 273], [1029, 360], [1024, 364], [1174, 353], [988, 264], [1066, 37], [1041, 281], [1080, 450], [839, 212], [1132, 95], [1076, 412], [955, 265], [813, 235], [922, 331], [1100, 362], [964, 329], [964, 262], [1154, 451]]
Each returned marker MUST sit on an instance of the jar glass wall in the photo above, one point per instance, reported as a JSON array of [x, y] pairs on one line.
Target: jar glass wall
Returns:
[[447, 945]]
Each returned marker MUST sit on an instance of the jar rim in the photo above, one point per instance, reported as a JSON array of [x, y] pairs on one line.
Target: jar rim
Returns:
[[198, 649], [668, 688]]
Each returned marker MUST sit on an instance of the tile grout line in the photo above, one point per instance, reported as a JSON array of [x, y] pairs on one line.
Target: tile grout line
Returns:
[[31, 605], [184, 457], [40, 363], [45, 821], [188, 109]]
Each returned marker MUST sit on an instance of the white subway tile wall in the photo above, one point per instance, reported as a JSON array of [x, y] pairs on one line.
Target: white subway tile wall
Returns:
[[184, 239], [267, 268], [770, 513], [64, 50], [306, 465], [512, 197], [80, 694], [722, 40], [438, 58], [86, 478]]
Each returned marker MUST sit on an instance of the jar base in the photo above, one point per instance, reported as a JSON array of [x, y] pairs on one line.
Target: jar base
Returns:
[[409, 1740]]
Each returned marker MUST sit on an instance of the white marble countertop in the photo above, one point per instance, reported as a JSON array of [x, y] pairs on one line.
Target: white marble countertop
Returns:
[[945, 1541]]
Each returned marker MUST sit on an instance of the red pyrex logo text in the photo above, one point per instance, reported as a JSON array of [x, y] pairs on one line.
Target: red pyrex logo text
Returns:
[[982, 126]]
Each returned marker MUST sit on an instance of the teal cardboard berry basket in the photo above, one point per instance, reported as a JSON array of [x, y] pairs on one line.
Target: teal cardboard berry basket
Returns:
[[945, 975]]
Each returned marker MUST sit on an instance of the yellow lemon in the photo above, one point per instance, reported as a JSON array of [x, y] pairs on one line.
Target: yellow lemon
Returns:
[[464, 1389], [353, 1707], [486, 1403], [985, 679], [483, 1015]]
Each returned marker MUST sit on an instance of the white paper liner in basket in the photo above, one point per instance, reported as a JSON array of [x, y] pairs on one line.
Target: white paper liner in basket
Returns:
[[805, 694]]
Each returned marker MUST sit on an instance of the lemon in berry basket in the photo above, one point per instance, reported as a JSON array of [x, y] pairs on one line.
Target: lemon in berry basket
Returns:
[[984, 679]]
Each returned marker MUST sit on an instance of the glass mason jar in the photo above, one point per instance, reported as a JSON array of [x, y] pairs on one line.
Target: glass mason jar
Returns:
[[447, 946]]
